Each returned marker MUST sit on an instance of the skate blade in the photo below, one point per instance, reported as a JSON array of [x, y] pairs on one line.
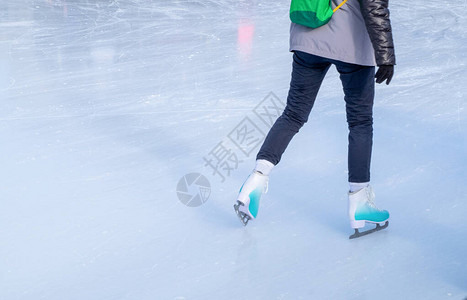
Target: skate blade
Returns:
[[358, 234], [244, 218]]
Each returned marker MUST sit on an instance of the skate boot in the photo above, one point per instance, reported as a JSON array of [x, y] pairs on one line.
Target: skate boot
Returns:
[[249, 195], [362, 210]]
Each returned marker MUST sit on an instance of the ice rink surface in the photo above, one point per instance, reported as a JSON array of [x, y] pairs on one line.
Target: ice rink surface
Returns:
[[106, 105]]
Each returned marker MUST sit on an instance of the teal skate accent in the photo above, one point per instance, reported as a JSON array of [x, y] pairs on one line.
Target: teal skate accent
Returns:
[[241, 188], [254, 201], [367, 213]]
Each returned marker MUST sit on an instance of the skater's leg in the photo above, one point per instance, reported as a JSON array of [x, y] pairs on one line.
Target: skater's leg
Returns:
[[307, 75], [358, 83], [359, 90]]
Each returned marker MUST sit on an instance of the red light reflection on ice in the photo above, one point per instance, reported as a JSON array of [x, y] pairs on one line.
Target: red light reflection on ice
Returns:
[[246, 31]]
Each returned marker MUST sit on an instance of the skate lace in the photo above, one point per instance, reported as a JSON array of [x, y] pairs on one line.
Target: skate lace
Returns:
[[371, 198]]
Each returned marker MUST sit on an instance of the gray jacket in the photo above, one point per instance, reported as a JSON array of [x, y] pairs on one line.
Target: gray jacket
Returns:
[[359, 33]]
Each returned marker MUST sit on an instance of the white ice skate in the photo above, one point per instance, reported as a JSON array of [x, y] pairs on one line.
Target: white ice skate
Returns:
[[249, 196], [362, 210]]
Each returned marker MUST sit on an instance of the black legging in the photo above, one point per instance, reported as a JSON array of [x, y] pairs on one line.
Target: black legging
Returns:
[[307, 75]]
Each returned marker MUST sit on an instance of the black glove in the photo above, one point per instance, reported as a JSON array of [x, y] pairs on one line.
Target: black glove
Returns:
[[384, 73]]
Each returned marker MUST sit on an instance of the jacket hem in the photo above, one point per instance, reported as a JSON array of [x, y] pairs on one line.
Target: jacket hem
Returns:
[[331, 56]]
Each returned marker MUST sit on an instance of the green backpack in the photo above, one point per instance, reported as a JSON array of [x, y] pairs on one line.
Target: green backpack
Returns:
[[312, 13]]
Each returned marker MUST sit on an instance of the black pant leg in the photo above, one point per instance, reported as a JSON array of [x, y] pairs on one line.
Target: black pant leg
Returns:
[[308, 72], [359, 89]]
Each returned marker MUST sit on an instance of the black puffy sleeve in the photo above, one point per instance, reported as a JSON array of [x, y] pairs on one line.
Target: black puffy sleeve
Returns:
[[376, 16]]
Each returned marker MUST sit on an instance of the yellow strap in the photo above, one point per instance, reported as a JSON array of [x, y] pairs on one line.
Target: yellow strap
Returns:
[[339, 6]]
